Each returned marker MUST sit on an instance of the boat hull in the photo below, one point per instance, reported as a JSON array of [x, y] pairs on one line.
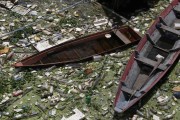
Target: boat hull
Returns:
[[122, 102], [83, 49]]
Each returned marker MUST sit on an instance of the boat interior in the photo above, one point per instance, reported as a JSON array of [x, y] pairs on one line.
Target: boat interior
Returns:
[[153, 59], [87, 47]]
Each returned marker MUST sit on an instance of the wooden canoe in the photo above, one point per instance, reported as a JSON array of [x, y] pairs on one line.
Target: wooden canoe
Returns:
[[155, 54], [83, 48]]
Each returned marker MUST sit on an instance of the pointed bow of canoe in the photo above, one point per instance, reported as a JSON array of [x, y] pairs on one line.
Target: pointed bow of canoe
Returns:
[[19, 64]]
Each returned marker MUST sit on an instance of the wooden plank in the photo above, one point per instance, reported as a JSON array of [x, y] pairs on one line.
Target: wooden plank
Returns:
[[127, 90], [162, 21], [130, 91], [121, 36], [164, 50], [70, 53], [150, 62], [105, 45], [149, 39], [169, 29], [85, 50], [41, 62], [140, 81], [46, 60], [76, 53]]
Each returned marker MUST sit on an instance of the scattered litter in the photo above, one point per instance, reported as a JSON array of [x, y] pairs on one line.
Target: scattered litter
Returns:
[[2, 20], [52, 112], [4, 50], [162, 98], [42, 45], [20, 10], [17, 93], [5, 100], [134, 117], [46, 32], [108, 35], [18, 110], [97, 58], [174, 82], [88, 71], [170, 116], [45, 44], [78, 29], [77, 116], [18, 116], [99, 22], [177, 95], [23, 43], [155, 117], [6, 44], [176, 89], [33, 13], [75, 80], [9, 5]]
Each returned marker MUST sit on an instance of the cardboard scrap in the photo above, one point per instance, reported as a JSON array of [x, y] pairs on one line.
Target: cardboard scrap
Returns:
[[77, 116], [176, 89], [99, 22], [42, 45], [4, 50]]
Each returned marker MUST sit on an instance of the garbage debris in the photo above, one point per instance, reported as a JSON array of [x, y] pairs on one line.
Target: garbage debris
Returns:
[[174, 82], [155, 117], [42, 45], [28, 28], [97, 58], [20, 9], [17, 93], [177, 94], [77, 116], [4, 50], [99, 22], [176, 89], [45, 44], [15, 8]]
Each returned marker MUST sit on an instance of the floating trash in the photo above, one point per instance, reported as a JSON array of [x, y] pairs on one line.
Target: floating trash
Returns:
[[177, 95], [77, 116], [176, 89], [17, 93], [108, 35]]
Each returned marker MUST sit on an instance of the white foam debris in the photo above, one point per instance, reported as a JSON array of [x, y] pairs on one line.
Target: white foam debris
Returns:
[[77, 116]]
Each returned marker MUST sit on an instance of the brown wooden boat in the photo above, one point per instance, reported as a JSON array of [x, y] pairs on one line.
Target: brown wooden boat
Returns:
[[83, 48], [152, 59]]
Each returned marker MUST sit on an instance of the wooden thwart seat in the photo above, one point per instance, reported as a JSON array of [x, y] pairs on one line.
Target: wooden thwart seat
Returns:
[[121, 36], [176, 10], [130, 91], [162, 21], [168, 29], [154, 44], [150, 62]]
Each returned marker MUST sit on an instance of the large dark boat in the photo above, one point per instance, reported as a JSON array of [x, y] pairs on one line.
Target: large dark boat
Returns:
[[155, 54], [83, 48]]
